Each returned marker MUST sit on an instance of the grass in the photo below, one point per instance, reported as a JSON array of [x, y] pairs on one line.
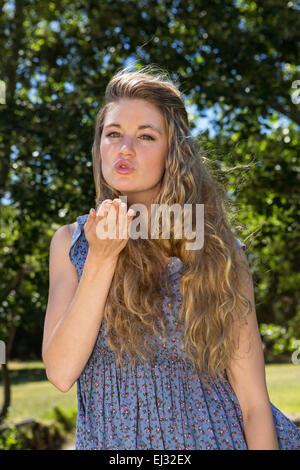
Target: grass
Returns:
[[283, 382], [34, 396]]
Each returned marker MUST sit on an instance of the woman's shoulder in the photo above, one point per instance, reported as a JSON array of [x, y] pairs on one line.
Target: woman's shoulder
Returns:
[[72, 227]]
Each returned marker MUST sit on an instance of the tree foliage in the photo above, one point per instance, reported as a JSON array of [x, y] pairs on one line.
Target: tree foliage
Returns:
[[238, 58]]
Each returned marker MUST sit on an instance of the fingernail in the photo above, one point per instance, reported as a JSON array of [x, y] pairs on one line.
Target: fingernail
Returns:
[[131, 212]]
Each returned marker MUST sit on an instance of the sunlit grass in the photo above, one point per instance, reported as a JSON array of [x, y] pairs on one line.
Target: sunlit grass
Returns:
[[32, 395], [283, 382]]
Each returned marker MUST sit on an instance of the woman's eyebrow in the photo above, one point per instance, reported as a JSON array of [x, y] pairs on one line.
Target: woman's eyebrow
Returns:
[[143, 126]]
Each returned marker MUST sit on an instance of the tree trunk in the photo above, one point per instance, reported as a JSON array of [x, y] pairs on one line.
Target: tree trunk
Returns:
[[6, 392], [5, 376]]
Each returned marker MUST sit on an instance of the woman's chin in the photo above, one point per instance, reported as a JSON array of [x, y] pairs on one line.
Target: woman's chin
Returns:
[[123, 187]]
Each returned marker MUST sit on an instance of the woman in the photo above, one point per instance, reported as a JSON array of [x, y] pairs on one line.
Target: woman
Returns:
[[162, 340]]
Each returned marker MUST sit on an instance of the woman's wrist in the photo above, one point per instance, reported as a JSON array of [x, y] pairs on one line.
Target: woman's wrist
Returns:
[[94, 264]]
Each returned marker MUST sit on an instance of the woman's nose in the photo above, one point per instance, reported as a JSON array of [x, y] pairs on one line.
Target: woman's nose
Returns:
[[127, 147]]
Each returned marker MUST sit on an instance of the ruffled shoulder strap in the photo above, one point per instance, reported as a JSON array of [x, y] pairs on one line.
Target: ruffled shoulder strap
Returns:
[[79, 244], [240, 244]]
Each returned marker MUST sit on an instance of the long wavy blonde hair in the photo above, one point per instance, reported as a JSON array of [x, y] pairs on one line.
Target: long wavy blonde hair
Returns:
[[212, 306]]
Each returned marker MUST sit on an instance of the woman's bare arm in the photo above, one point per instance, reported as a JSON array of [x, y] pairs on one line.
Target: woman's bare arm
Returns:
[[246, 374], [75, 310]]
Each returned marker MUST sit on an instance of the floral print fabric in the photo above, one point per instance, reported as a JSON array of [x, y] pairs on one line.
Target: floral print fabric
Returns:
[[160, 405]]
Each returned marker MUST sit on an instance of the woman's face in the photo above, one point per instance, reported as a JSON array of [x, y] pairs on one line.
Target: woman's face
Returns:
[[143, 148]]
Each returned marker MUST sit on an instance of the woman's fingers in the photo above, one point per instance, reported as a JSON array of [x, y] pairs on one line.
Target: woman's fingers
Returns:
[[89, 220], [104, 207], [113, 219], [107, 219], [122, 220]]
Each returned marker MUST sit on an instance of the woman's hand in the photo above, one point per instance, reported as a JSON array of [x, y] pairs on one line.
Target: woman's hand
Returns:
[[111, 215]]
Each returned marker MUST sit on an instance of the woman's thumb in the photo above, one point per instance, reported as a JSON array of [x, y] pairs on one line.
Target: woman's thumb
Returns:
[[90, 219]]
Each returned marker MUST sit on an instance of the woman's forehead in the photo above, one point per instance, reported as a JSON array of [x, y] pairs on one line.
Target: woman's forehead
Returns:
[[139, 111], [133, 106]]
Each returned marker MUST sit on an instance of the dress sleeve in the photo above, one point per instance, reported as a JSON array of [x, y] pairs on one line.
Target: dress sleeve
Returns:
[[77, 239]]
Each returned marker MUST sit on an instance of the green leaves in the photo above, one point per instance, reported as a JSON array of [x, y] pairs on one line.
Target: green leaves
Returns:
[[239, 58]]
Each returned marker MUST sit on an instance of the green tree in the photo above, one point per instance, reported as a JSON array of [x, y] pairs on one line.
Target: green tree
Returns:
[[237, 57]]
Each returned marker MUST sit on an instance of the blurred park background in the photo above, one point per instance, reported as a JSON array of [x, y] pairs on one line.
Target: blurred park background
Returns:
[[237, 64]]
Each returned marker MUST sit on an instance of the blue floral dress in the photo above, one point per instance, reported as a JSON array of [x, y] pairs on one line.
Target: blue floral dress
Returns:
[[160, 405]]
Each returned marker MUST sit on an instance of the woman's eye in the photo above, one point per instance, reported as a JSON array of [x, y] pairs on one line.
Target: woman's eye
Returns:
[[144, 135], [110, 135]]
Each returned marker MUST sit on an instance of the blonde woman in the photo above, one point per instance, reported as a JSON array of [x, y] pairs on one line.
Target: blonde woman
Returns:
[[162, 340]]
